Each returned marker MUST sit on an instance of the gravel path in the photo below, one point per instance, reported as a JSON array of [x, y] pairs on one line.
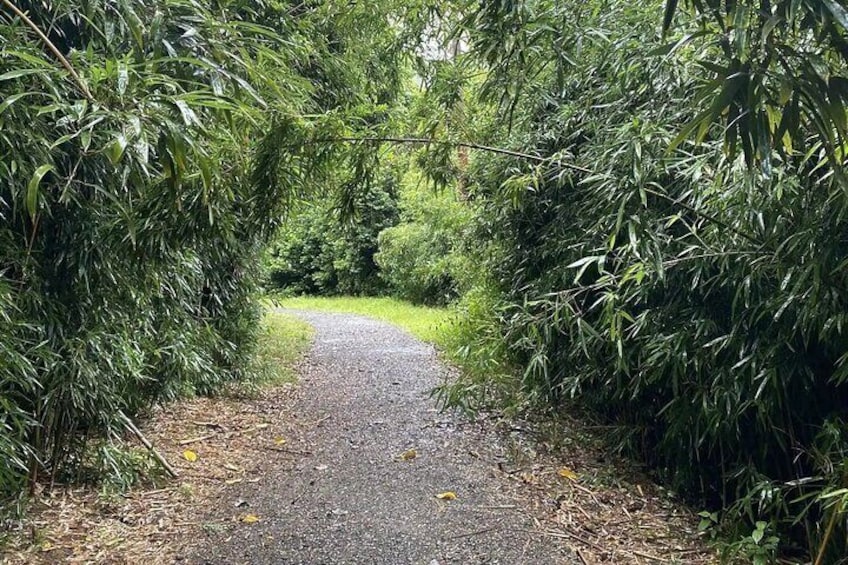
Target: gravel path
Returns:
[[342, 495]]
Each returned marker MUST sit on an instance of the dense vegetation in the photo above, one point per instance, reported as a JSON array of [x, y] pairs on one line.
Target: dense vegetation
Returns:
[[656, 232], [668, 252], [400, 238], [673, 257], [318, 251], [142, 175]]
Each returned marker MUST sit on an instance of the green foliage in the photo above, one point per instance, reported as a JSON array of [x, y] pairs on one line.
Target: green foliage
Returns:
[[474, 342], [316, 251], [774, 76], [139, 191], [281, 342], [693, 299], [422, 259]]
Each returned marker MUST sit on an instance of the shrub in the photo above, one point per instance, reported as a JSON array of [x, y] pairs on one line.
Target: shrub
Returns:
[[422, 259], [138, 191], [317, 251]]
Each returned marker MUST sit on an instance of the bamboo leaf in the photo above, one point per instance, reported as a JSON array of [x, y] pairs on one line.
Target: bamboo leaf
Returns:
[[32, 189], [668, 16]]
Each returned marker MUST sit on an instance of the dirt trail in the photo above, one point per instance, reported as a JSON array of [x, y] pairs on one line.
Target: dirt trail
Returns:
[[342, 493]]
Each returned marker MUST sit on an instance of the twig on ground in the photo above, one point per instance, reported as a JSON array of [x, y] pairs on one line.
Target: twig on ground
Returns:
[[322, 420], [559, 534], [474, 533], [580, 508], [286, 450], [196, 439], [137, 433], [208, 424], [648, 556], [587, 491]]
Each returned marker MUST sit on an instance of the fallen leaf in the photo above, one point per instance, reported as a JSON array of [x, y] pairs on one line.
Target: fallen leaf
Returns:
[[279, 440], [408, 455], [190, 455], [448, 495], [249, 519], [231, 467], [568, 474]]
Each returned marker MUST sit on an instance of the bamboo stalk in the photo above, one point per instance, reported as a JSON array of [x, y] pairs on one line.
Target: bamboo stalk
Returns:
[[55, 50]]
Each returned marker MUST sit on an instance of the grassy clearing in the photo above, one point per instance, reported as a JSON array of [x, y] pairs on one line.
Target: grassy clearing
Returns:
[[425, 323]]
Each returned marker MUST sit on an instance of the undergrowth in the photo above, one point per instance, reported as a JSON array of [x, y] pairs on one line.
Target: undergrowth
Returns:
[[282, 340]]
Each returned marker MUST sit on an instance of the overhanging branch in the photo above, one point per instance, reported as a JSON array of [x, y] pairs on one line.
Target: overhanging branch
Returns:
[[430, 141]]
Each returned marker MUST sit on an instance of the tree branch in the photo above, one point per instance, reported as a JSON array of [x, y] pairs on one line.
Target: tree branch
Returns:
[[430, 141], [704, 215], [528, 157]]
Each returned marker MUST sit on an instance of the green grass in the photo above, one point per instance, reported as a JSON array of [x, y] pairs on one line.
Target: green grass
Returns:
[[283, 339], [427, 324]]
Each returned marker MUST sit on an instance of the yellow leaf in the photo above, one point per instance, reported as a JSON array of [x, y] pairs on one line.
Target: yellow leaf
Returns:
[[568, 474], [448, 495], [279, 440], [249, 518], [408, 454], [190, 455]]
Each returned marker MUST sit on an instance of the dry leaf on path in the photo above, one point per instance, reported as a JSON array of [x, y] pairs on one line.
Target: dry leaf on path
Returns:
[[190, 455], [408, 455], [249, 519], [448, 495], [279, 440], [568, 474]]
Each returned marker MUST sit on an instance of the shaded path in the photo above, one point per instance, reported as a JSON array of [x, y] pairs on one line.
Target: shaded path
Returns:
[[342, 496]]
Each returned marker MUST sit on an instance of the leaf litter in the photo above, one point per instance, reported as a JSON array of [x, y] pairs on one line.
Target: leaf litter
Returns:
[[151, 523]]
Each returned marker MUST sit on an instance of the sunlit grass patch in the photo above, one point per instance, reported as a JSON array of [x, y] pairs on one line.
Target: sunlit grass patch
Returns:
[[426, 323]]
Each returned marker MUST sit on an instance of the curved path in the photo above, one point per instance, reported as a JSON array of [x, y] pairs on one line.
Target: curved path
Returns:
[[346, 497]]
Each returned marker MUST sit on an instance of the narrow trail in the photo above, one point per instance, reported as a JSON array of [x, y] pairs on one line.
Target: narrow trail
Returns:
[[342, 494]]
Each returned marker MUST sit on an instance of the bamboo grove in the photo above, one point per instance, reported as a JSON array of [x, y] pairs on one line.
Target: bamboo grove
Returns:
[[651, 229], [676, 262], [138, 190]]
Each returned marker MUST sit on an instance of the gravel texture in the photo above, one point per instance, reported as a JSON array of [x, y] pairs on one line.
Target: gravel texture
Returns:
[[338, 492]]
